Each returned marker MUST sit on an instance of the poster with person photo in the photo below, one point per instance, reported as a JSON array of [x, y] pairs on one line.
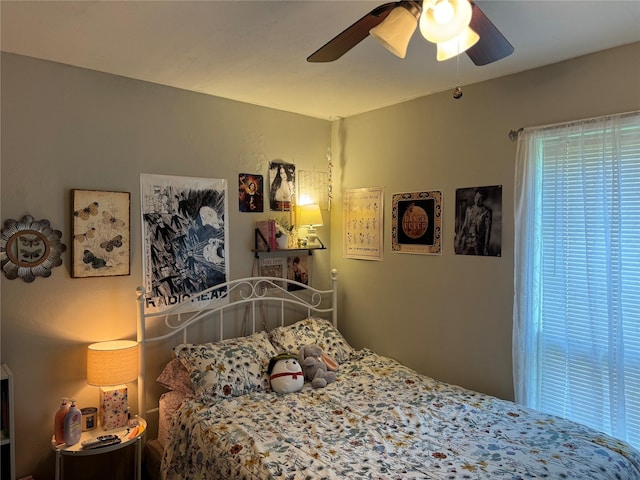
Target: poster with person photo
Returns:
[[282, 189], [250, 193], [479, 221], [298, 270], [292, 267], [184, 238]]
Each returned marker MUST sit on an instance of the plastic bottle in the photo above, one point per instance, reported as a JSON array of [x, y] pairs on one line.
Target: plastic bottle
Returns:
[[58, 421], [72, 425]]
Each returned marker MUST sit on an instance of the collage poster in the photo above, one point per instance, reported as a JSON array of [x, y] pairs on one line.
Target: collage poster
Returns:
[[184, 239]]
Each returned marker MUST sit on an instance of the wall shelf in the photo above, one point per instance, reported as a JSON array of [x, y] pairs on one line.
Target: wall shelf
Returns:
[[280, 252], [286, 252]]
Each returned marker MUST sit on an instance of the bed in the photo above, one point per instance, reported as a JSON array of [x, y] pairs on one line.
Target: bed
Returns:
[[219, 418]]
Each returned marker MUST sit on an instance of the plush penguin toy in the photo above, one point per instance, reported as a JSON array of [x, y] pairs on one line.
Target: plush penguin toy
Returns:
[[285, 373]]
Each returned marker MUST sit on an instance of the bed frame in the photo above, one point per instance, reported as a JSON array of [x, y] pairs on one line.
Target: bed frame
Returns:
[[249, 303]]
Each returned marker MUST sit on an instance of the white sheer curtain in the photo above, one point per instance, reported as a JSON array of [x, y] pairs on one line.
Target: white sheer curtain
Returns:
[[576, 335]]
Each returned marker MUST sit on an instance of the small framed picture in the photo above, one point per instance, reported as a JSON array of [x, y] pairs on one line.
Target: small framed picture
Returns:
[[417, 222], [100, 244]]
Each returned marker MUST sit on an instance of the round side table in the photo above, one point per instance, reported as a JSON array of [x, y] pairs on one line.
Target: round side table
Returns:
[[128, 435]]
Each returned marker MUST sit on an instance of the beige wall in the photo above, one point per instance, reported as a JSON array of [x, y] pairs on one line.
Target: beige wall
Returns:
[[448, 316], [65, 128]]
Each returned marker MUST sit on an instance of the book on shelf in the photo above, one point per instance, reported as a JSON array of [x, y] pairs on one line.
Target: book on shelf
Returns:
[[267, 238]]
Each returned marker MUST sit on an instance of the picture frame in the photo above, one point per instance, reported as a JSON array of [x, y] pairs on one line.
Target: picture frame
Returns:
[[101, 232], [417, 222], [184, 239], [363, 211]]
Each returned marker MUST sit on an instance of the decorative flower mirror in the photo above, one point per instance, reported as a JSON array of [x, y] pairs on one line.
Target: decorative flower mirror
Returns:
[[29, 248]]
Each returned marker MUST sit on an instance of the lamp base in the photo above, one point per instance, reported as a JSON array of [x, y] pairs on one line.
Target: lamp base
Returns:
[[114, 407], [312, 239]]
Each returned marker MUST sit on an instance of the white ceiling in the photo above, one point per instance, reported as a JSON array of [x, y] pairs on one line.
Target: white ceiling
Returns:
[[255, 51]]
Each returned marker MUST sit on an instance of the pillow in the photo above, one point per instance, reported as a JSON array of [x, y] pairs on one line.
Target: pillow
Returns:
[[170, 403], [312, 330], [228, 368], [175, 377]]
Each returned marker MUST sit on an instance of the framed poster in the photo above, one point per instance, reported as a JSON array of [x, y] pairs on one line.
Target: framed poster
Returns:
[[101, 231], [363, 215], [417, 222], [184, 238], [479, 221]]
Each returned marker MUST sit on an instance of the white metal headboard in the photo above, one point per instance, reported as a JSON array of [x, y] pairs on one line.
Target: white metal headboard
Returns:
[[252, 293]]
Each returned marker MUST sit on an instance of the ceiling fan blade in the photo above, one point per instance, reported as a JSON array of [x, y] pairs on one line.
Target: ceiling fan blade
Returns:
[[349, 38], [492, 45]]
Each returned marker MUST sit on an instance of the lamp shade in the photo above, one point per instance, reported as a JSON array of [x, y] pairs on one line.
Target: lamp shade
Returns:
[[443, 20], [467, 39], [112, 363], [395, 31], [310, 215]]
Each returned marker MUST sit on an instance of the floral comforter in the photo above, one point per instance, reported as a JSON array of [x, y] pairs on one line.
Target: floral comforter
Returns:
[[384, 421]]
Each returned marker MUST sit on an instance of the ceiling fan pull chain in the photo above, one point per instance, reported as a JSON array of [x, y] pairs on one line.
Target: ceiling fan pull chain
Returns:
[[457, 93]]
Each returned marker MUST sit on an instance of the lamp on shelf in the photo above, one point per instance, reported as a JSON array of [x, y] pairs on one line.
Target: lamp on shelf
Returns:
[[309, 216], [110, 365]]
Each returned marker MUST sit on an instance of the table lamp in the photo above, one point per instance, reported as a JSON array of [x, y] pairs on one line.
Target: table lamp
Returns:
[[109, 366], [310, 216]]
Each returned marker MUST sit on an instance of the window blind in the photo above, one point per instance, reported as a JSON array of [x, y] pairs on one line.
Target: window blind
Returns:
[[586, 324]]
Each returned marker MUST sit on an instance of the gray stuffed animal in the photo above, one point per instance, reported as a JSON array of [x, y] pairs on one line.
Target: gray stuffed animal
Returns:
[[317, 366]]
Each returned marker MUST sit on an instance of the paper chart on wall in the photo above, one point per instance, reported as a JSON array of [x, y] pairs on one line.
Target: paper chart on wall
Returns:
[[363, 222], [313, 187]]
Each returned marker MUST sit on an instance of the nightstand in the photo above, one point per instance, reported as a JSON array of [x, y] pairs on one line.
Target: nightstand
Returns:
[[129, 435]]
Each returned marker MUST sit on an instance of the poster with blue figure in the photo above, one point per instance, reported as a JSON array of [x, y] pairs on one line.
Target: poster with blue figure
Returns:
[[184, 239]]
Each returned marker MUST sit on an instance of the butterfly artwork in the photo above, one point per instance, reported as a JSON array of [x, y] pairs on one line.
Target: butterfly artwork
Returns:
[[115, 242], [88, 211], [95, 262], [89, 234], [30, 241], [109, 219], [31, 255], [101, 233]]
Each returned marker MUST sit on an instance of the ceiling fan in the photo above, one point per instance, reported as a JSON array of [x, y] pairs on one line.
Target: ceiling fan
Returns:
[[456, 26]]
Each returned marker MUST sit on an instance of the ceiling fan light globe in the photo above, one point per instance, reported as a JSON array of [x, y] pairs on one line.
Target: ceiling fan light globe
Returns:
[[443, 12], [437, 32], [395, 31], [460, 44]]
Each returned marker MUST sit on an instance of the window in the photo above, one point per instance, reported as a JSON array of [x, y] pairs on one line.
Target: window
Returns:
[[577, 273]]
